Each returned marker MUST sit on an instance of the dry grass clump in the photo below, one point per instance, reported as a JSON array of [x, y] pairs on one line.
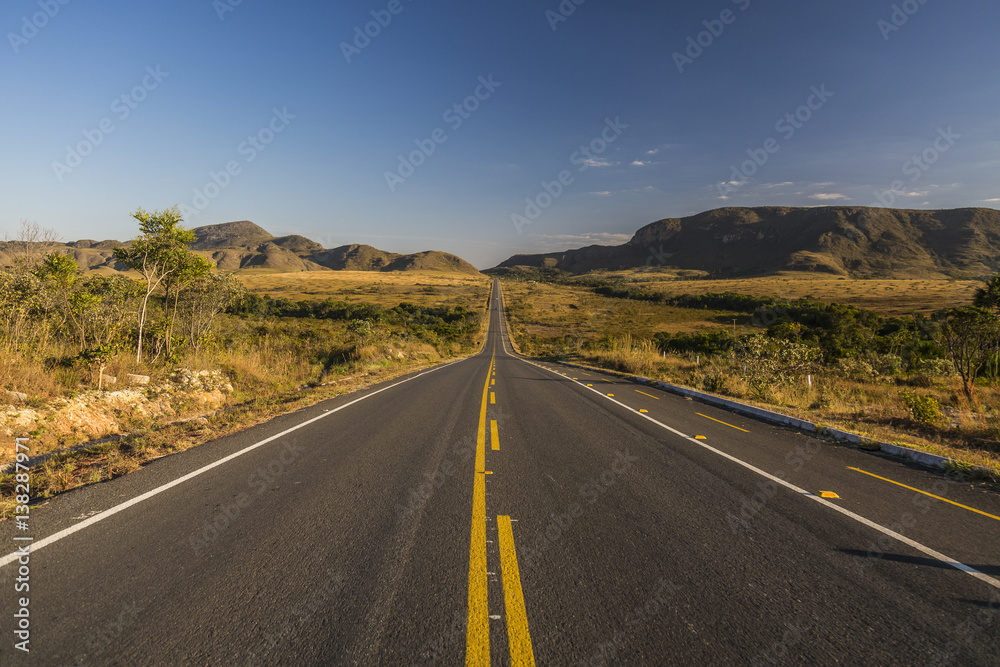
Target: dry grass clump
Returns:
[[631, 355]]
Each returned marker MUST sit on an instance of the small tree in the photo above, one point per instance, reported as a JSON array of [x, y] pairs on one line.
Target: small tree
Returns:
[[158, 254], [971, 335], [60, 273], [108, 318], [988, 297], [188, 268], [204, 299]]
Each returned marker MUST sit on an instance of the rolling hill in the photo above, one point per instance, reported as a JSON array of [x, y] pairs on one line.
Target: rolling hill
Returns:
[[243, 245], [855, 241]]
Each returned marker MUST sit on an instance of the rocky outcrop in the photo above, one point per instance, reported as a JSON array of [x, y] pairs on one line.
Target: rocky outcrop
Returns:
[[93, 415]]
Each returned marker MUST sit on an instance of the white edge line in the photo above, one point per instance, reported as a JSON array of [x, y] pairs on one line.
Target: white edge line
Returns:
[[66, 532], [936, 555]]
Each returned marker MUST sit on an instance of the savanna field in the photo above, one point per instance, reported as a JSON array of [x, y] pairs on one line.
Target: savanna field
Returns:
[[243, 349], [877, 364]]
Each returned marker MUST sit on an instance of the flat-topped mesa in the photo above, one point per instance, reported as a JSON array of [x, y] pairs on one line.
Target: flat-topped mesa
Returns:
[[844, 240]]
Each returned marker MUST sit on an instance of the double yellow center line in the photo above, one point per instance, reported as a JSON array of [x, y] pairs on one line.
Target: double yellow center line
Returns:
[[477, 639], [477, 634]]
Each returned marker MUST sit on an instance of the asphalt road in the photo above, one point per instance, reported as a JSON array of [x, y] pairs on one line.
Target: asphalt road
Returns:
[[498, 510]]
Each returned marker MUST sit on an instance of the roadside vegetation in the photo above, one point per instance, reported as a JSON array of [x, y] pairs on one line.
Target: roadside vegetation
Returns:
[[926, 379], [173, 353]]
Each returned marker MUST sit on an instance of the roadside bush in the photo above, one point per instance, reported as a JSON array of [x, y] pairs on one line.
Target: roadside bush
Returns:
[[924, 409], [717, 383], [858, 370], [935, 367], [770, 361], [706, 343]]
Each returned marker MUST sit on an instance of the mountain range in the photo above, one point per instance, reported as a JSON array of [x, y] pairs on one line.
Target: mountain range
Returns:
[[861, 242], [242, 245], [856, 241]]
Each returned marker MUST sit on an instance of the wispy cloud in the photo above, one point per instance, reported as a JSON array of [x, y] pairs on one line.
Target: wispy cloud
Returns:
[[562, 241], [828, 196], [598, 162], [640, 163], [602, 193], [990, 201], [771, 186]]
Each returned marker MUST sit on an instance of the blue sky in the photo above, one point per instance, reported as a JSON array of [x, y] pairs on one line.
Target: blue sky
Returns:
[[257, 110]]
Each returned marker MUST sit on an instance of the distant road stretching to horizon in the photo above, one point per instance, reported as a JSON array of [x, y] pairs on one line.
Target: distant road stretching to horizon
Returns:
[[501, 510]]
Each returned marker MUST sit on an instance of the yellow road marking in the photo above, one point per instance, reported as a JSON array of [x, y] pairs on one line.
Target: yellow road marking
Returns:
[[477, 634], [590, 385], [944, 500], [493, 398], [492, 382], [643, 410], [722, 422], [700, 437], [518, 635], [611, 395], [650, 395], [828, 494], [494, 435]]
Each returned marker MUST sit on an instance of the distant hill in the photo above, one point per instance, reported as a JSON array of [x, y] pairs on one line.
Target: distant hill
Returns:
[[354, 258], [855, 241], [367, 258], [240, 245], [229, 235]]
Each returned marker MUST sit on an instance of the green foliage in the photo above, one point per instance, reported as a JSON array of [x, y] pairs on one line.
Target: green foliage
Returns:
[[706, 343], [988, 296], [363, 331], [60, 269], [205, 297], [160, 254], [431, 324], [972, 336], [769, 360], [924, 409]]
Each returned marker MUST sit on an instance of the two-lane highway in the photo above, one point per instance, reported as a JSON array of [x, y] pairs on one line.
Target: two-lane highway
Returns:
[[502, 511]]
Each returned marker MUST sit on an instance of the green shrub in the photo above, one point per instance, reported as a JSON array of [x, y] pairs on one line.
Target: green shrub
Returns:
[[924, 409]]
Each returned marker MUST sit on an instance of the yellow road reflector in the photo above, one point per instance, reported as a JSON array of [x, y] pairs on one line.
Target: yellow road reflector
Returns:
[[643, 410], [590, 385], [611, 395], [828, 494], [700, 437]]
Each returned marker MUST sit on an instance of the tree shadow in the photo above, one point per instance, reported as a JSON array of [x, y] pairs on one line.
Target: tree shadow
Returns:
[[992, 570]]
